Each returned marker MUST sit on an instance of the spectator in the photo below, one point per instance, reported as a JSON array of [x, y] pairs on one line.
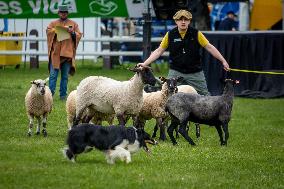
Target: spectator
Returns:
[[229, 23], [62, 53]]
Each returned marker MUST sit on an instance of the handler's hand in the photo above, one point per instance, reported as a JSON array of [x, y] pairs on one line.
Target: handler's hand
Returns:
[[226, 65], [141, 64]]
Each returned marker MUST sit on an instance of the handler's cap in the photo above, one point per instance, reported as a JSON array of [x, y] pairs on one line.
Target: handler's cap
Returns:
[[182, 13], [62, 8]]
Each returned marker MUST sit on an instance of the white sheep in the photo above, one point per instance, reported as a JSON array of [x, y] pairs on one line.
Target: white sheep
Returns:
[[38, 102], [186, 89], [154, 106], [97, 117], [110, 96]]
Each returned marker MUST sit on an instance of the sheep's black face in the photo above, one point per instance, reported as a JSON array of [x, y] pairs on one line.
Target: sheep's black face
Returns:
[[172, 84], [148, 76]]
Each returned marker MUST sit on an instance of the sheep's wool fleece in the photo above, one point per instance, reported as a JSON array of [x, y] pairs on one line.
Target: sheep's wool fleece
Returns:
[[186, 89], [109, 96], [154, 104], [36, 104], [71, 111]]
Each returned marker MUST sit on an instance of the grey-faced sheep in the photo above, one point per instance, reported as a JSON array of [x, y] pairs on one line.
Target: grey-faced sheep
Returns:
[[210, 110], [38, 102], [188, 89], [97, 117], [154, 106], [110, 96]]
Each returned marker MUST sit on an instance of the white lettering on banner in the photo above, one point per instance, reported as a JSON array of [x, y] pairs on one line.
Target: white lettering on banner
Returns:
[[35, 7], [4, 8], [45, 7], [13, 7], [54, 6], [72, 5], [16, 7]]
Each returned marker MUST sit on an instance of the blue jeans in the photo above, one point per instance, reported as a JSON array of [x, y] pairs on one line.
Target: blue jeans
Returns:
[[64, 67]]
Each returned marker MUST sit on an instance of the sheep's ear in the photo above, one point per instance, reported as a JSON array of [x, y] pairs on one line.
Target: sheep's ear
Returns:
[[163, 79], [33, 82]]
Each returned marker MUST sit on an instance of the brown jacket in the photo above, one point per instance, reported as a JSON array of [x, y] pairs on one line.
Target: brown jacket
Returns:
[[59, 51]]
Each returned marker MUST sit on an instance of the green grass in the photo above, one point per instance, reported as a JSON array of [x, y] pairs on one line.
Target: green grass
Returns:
[[254, 157]]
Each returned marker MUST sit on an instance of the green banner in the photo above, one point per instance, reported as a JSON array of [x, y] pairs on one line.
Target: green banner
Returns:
[[49, 8]]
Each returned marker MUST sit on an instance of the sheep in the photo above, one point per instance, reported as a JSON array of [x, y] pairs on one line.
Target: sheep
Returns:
[[188, 89], [110, 96], [97, 117], [154, 106], [210, 110], [38, 102]]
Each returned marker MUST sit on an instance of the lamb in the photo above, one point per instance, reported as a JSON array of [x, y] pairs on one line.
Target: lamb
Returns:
[[110, 96], [38, 102], [97, 117], [154, 106], [210, 110]]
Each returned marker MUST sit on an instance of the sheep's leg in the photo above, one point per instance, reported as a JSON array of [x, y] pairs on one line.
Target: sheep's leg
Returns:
[[38, 125], [176, 130], [155, 130], [31, 118], [121, 119], [197, 131], [79, 113], [219, 130], [139, 122], [226, 131], [44, 132], [174, 124], [182, 131], [162, 129]]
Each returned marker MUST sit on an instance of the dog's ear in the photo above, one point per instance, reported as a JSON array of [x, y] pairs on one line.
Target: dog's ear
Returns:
[[131, 135]]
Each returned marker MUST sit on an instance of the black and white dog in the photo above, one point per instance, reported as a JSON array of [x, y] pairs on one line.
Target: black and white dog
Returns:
[[115, 141]]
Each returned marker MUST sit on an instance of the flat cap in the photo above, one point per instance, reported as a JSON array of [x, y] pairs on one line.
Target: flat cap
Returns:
[[182, 13], [62, 8]]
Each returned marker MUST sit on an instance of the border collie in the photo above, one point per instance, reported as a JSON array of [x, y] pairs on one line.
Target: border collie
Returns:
[[117, 142]]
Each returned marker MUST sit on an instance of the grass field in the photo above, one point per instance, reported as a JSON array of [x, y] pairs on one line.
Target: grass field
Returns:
[[254, 157]]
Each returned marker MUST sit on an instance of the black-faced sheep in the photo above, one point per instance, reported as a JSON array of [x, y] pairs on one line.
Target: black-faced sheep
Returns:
[[210, 110], [154, 106], [97, 117], [110, 96], [38, 102]]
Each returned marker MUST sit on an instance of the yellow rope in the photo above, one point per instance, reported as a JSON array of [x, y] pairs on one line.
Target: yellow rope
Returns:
[[260, 72]]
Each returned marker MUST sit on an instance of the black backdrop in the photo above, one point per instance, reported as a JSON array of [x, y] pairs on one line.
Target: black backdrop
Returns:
[[260, 51]]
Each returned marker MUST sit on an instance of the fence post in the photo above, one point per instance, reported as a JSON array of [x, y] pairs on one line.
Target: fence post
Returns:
[[34, 63]]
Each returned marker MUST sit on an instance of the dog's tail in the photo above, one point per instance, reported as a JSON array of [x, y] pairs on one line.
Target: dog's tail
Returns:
[[68, 154]]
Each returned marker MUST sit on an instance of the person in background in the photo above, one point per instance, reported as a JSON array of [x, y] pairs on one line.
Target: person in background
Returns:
[[184, 44], [229, 23], [62, 53]]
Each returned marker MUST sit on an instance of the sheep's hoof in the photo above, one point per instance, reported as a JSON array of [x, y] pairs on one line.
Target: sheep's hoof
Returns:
[[44, 133], [162, 138], [29, 134], [37, 133]]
